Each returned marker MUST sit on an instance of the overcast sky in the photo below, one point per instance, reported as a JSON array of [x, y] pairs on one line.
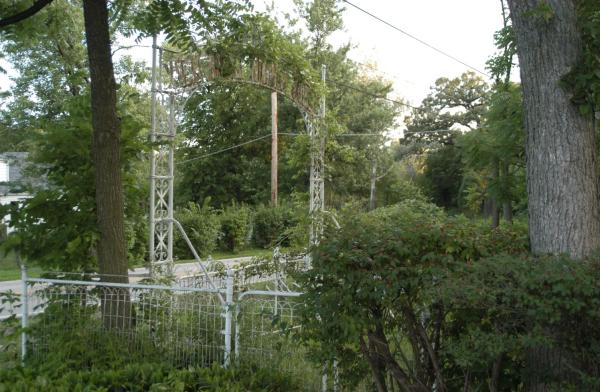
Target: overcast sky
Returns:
[[462, 28]]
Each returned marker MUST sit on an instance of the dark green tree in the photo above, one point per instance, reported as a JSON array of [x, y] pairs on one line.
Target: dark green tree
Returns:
[[49, 115]]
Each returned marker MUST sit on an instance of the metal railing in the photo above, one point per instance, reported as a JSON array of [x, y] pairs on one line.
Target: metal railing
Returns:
[[241, 319], [183, 325]]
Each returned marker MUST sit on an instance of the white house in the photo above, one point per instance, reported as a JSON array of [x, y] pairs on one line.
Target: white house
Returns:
[[13, 182]]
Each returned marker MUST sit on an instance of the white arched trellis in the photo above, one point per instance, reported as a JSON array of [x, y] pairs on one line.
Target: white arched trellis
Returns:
[[182, 77]]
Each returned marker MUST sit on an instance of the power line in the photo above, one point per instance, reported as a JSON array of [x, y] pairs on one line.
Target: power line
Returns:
[[416, 38], [225, 149], [338, 134], [434, 131], [400, 103], [297, 134], [264, 137]]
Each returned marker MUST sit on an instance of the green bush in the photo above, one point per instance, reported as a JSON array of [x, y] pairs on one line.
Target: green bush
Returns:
[[271, 225], [235, 228], [201, 223], [147, 377], [376, 286], [505, 308], [395, 189]]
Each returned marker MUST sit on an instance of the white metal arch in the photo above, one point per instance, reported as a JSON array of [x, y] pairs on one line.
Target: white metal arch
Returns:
[[162, 165]]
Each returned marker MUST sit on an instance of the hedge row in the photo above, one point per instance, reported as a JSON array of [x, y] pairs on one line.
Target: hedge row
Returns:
[[147, 377], [236, 227]]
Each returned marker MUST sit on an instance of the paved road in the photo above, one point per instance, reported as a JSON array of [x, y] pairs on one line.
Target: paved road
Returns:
[[138, 273]]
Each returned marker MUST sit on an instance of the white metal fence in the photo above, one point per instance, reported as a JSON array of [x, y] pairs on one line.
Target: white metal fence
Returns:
[[247, 315], [183, 326]]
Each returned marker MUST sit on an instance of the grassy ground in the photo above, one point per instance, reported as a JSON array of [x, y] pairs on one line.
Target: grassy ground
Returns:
[[9, 269], [254, 252]]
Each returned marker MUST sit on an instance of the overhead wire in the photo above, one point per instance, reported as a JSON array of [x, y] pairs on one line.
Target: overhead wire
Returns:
[[298, 134], [446, 54], [225, 149], [357, 89], [337, 134]]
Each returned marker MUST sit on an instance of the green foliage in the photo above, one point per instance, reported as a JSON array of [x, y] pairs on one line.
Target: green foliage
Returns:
[[48, 115], [213, 122], [396, 189], [57, 227], [443, 176], [10, 304], [454, 105], [501, 64], [235, 228], [141, 376], [451, 105], [184, 22], [375, 279], [542, 12], [201, 224], [584, 79], [499, 142], [70, 348], [271, 225], [506, 306]]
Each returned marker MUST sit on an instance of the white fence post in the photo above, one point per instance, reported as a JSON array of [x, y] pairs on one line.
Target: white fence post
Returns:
[[336, 376], [324, 379], [24, 313], [276, 255], [236, 340], [228, 317]]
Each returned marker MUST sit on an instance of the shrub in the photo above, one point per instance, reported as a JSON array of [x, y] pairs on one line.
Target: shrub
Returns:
[[235, 228], [271, 225], [397, 189], [201, 224], [505, 308], [376, 286], [148, 377]]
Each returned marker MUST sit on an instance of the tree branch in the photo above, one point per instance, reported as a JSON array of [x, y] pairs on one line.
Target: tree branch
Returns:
[[34, 9]]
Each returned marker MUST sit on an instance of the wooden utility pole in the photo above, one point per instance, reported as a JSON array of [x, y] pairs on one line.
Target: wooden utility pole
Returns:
[[373, 185], [274, 157]]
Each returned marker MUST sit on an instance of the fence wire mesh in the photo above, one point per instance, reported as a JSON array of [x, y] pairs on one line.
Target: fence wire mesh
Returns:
[[249, 314], [264, 336], [254, 274], [182, 327]]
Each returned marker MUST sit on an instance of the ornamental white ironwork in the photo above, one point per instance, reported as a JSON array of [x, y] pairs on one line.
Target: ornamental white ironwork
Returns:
[[175, 76]]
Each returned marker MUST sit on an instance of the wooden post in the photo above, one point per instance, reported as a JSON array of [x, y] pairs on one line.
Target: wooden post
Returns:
[[274, 157]]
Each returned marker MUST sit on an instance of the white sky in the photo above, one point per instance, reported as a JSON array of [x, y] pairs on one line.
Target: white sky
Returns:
[[462, 28]]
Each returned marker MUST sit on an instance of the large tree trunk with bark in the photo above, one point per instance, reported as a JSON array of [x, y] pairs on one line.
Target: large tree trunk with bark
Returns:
[[562, 182], [106, 152]]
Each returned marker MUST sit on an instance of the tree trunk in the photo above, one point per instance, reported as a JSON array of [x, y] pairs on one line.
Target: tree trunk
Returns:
[[495, 204], [562, 182], [376, 366], [507, 212], [106, 154], [560, 147]]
